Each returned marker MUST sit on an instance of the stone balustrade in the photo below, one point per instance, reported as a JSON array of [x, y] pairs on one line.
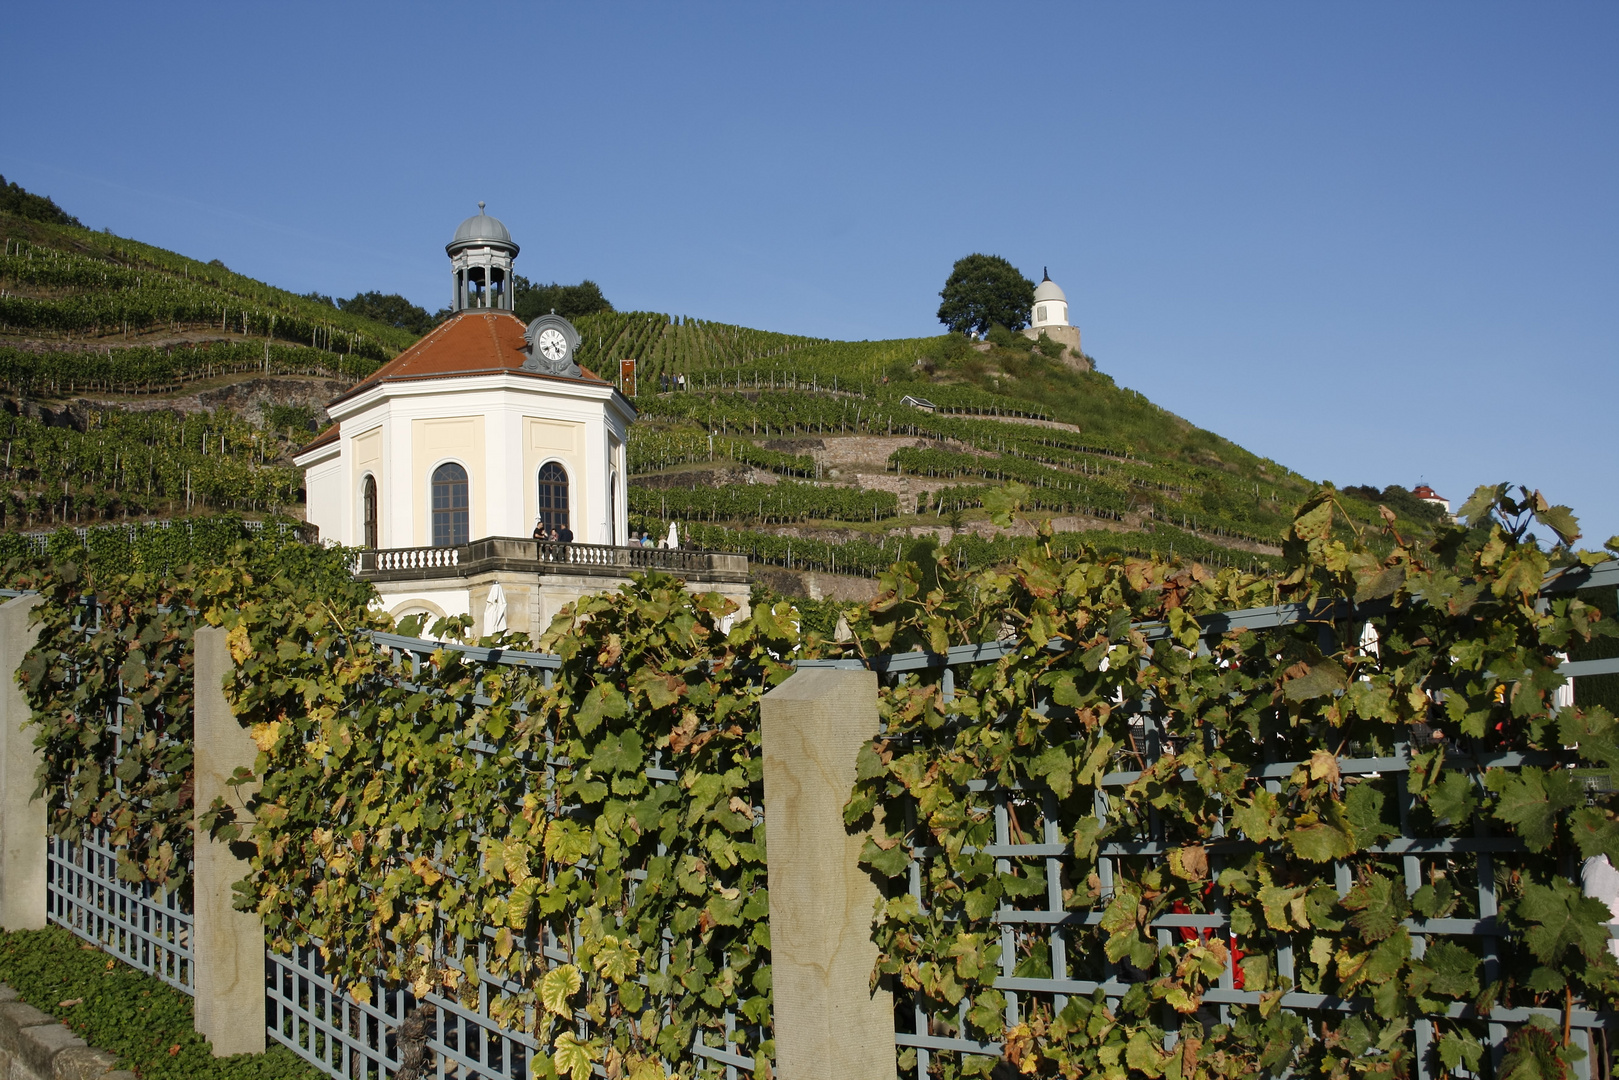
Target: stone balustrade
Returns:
[[546, 557]]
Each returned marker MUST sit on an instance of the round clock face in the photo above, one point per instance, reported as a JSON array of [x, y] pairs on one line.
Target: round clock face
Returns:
[[552, 344]]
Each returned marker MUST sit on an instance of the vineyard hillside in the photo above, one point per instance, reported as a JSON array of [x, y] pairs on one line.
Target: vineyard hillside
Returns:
[[138, 383], [830, 455]]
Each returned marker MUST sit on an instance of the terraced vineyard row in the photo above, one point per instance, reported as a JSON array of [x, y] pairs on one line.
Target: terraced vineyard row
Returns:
[[867, 558], [1096, 479], [653, 448], [168, 303], [93, 254], [665, 345], [1059, 490], [131, 463], [119, 290], [150, 369], [784, 503]]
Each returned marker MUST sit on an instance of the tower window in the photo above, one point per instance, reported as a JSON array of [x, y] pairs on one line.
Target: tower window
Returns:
[[450, 517], [553, 505], [368, 503], [1041, 313]]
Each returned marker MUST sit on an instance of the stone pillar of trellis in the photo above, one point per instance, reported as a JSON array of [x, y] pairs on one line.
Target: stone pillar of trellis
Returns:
[[229, 945], [22, 817], [829, 1023]]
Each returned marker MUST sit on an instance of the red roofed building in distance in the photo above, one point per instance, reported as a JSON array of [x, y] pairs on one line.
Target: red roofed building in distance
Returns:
[[1429, 495], [447, 463]]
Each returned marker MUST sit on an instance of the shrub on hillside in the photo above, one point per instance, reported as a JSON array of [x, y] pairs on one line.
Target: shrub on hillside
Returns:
[[1001, 337], [15, 199]]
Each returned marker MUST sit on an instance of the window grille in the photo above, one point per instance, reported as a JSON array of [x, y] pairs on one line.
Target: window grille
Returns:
[[368, 500], [450, 517], [553, 497]]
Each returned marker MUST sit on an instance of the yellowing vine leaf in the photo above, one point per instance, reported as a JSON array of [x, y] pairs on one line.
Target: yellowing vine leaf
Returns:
[[515, 862], [265, 735], [558, 986], [647, 1069], [422, 867], [573, 1058], [238, 642]]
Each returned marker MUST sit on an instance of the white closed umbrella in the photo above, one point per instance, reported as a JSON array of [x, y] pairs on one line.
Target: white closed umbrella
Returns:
[[494, 610], [674, 537]]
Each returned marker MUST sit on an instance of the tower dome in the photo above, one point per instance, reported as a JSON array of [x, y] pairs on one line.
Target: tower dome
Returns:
[[481, 261], [1050, 304], [480, 228]]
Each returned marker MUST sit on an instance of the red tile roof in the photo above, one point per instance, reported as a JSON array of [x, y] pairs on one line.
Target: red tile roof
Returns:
[[471, 343]]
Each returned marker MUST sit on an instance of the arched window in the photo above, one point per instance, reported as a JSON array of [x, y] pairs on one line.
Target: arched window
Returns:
[[449, 505], [368, 503], [553, 504]]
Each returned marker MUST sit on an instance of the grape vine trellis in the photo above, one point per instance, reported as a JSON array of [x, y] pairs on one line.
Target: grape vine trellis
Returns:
[[594, 819], [1132, 840], [1119, 762]]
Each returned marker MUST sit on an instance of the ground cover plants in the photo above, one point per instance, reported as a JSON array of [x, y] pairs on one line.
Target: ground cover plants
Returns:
[[136, 1016]]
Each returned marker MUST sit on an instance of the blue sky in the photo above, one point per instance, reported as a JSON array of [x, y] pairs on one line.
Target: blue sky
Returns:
[[1374, 242]]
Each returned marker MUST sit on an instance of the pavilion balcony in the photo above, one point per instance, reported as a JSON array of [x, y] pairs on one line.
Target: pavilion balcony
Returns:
[[543, 557]]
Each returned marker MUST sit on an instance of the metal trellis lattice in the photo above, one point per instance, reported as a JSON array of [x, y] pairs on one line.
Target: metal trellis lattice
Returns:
[[1039, 963]]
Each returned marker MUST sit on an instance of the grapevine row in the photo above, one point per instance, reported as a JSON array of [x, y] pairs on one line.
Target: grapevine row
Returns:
[[780, 503], [153, 369]]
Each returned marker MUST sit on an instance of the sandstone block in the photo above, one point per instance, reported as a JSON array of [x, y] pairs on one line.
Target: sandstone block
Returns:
[[38, 1047], [82, 1063], [15, 1017]]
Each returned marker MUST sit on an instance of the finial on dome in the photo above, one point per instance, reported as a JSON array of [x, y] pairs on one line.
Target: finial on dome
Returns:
[[1045, 270], [480, 206]]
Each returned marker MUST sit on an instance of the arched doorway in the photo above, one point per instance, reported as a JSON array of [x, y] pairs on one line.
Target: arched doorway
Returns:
[[553, 497], [368, 511], [450, 518]]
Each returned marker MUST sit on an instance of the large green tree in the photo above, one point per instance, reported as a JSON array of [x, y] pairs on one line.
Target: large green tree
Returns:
[[984, 290], [389, 308], [531, 299]]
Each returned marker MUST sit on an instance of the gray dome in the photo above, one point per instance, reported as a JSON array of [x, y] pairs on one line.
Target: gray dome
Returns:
[[1048, 290], [480, 228]]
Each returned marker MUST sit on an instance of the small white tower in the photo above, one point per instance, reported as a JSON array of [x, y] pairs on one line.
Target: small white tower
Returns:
[[1050, 316], [1050, 304], [481, 258]]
